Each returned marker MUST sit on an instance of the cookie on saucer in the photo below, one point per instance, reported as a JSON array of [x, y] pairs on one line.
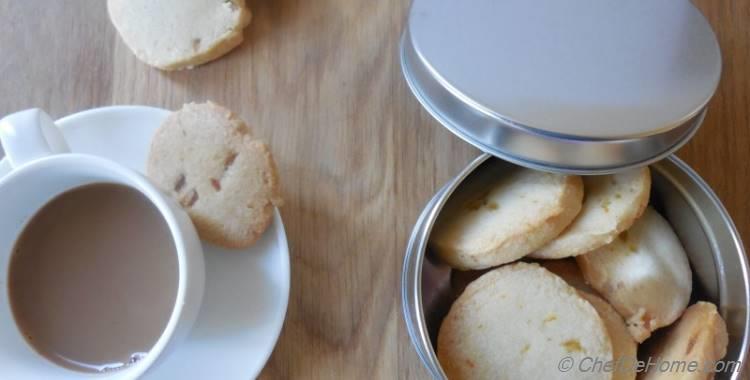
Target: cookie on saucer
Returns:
[[206, 158]]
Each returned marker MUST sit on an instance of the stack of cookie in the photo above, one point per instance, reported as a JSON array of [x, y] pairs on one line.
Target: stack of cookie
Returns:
[[629, 277]]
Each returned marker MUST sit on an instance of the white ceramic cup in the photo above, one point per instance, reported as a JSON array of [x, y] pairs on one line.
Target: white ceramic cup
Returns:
[[43, 168]]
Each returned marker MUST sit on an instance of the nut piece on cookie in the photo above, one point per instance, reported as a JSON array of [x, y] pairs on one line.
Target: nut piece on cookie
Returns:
[[179, 34], [206, 158]]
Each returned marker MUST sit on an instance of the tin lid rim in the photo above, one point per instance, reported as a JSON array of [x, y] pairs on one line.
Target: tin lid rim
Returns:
[[549, 151], [511, 122]]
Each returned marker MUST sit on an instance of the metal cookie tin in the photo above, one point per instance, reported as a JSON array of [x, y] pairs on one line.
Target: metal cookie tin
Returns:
[[714, 248], [587, 87], [584, 87]]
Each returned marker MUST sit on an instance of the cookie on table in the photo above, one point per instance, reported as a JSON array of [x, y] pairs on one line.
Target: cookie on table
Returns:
[[520, 321], [206, 158], [611, 205], [179, 34], [699, 336], [518, 214], [644, 274]]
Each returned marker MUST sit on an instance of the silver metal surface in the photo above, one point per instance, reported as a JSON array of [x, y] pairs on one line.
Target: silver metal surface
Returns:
[[586, 92], [711, 241]]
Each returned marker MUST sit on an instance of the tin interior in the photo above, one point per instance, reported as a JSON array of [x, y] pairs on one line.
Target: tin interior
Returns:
[[713, 247]]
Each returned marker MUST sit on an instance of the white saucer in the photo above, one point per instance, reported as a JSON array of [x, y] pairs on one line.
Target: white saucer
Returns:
[[246, 292]]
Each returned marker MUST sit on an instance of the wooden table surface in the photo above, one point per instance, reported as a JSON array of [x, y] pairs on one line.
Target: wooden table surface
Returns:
[[359, 158]]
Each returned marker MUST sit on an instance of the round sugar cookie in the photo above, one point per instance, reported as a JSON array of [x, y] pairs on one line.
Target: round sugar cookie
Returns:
[[179, 34], [611, 204], [516, 215], [699, 336], [624, 347], [206, 158], [644, 274], [520, 321]]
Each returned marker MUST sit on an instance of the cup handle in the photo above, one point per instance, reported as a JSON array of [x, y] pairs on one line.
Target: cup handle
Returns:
[[30, 135]]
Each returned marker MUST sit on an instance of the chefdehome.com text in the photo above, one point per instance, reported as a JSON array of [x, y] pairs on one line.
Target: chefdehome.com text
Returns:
[[589, 364]]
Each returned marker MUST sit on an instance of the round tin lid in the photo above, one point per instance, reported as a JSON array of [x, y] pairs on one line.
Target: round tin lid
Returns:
[[584, 86]]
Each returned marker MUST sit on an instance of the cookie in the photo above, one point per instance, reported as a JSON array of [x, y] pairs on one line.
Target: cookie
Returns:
[[700, 336], [516, 215], [179, 34], [206, 158], [520, 321], [611, 204], [644, 274], [568, 270], [624, 348]]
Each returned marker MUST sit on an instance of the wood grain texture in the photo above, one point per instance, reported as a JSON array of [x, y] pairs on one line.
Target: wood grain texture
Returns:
[[320, 81]]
